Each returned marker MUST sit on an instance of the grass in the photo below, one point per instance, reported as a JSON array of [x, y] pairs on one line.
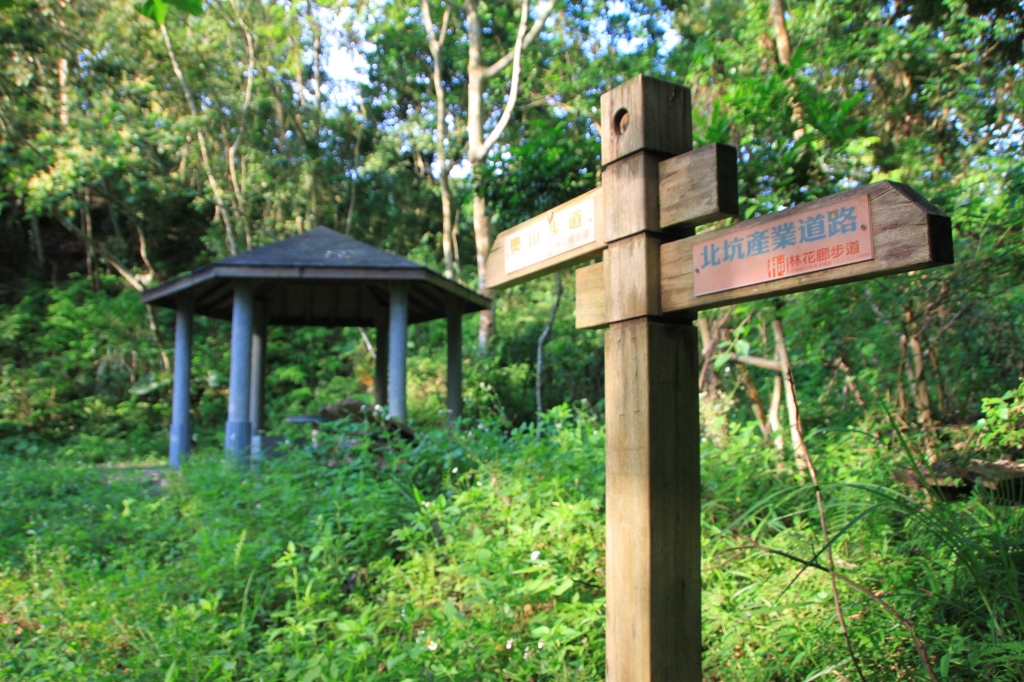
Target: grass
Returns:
[[479, 555]]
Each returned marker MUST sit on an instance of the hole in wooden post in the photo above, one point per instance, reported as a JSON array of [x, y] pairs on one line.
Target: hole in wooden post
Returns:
[[621, 121]]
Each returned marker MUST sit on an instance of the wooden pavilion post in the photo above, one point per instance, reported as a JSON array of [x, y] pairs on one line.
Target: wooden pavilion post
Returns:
[[380, 379], [257, 376], [398, 337], [238, 431], [653, 439], [181, 434], [454, 311]]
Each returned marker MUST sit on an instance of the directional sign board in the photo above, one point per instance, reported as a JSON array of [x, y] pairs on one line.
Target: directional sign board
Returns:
[[655, 274], [807, 241]]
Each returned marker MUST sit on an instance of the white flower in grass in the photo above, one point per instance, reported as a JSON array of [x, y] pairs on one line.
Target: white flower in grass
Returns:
[[509, 643], [535, 555]]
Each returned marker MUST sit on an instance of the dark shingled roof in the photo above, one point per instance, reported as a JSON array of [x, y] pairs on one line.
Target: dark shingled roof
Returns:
[[321, 247], [318, 278]]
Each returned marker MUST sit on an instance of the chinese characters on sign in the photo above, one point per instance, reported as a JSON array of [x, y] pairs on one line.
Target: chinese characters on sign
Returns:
[[795, 244], [551, 234]]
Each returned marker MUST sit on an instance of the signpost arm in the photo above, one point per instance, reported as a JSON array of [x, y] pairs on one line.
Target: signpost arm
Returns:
[[652, 446]]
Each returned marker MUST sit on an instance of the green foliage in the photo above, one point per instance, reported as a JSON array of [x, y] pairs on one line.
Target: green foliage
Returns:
[[359, 560], [426, 562], [157, 9], [479, 554], [1002, 428]]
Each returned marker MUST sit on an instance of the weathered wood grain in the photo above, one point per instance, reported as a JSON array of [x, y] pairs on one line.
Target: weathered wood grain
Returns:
[[908, 234], [653, 502], [590, 296], [645, 113], [698, 187], [632, 278], [713, 168], [653, 476], [495, 267], [631, 196]]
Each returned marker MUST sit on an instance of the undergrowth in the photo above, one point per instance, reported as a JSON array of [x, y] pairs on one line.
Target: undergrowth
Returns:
[[478, 554]]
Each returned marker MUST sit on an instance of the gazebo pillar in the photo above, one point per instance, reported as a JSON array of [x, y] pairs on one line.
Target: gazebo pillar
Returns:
[[398, 338], [380, 379], [454, 311], [181, 434], [237, 433], [257, 376]]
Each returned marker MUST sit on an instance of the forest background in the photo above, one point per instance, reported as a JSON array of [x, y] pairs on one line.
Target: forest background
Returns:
[[136, 144]]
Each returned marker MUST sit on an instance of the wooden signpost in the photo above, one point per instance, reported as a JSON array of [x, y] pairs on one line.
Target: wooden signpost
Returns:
[[655, 275]]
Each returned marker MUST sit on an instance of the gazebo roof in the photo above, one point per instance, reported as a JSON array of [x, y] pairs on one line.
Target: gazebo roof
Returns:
[[320, 278]]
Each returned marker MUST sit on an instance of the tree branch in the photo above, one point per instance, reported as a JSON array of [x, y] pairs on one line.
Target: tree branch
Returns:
[[105, 252], [498, 66], [480, 152], [763, 363]]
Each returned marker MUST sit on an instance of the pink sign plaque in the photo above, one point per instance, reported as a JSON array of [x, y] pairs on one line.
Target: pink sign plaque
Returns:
[[796, 243]]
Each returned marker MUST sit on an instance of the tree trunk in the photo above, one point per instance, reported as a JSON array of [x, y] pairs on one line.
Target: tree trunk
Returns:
[[922, 402], [774, 411], [750, 388], [62, 90], [782, 47], [796, 432], [477, 75], [435, 41], [158, 340], [545, 336], [352, 182], [221, 210], [90, 253], [37, 238], [850, 383]]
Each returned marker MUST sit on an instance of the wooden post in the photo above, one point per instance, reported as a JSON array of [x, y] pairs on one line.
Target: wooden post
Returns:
[[653, 439], [454, 360], [380, 377], [257, 376], [238, 430], [181, 433], [398, 337], [655, 276]]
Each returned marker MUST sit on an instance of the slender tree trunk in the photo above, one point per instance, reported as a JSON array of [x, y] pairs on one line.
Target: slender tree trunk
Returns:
[[352, 180], [901, 391], [922, 402], [774, 411], [782, 46], [475, 131], [850, 383], [545, 336], [937, 369], [37, 238], [154, 329], [754, 396], [708, 380], [221, 210], [477, 75], [62, 90], [796, 432], [90, 253], [435, 42]]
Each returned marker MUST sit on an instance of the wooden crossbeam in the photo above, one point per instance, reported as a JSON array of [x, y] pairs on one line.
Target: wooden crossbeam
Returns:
[[655, 275], [908, 233], [696, 188]]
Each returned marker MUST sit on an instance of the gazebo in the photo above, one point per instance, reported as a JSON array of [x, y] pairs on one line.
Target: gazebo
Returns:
[[320, 278]]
